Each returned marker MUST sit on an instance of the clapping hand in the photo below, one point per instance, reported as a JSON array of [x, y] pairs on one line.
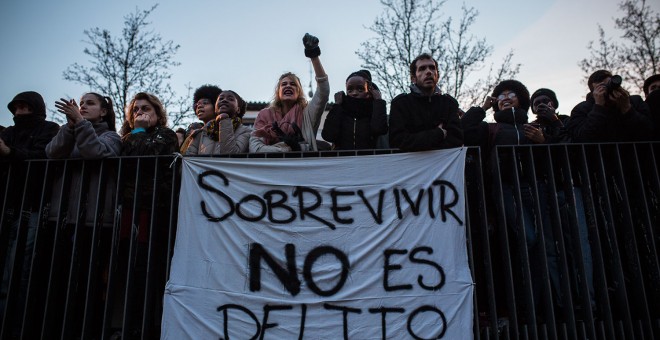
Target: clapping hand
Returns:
[[70, 108]]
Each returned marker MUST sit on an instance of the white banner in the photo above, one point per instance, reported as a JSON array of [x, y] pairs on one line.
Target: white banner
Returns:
[[368, 247]]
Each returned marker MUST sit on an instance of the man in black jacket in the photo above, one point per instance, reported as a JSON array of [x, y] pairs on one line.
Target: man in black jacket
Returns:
[[28, 137], [652, 94], [424, 119], [609, 114]]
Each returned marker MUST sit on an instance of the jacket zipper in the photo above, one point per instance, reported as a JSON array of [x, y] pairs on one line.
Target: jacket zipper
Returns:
[[513, 111], [354, 130]]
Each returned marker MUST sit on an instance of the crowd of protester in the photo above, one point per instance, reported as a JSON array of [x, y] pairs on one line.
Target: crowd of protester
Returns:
[[424, 119]]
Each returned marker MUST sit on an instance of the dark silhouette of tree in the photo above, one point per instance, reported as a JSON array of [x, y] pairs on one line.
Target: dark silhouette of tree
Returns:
[[635, 55], [410, 27], [136, 61]]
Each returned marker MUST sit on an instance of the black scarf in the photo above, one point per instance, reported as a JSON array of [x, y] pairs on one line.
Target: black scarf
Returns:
[[28, 121], [357, 107]]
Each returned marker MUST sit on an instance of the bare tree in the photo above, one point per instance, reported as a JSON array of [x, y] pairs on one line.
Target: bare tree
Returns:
[[636, 54], [139, 60], [410, 27], [405, 30]]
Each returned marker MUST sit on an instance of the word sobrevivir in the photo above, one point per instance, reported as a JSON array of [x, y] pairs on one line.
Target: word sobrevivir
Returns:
[[440, 196]]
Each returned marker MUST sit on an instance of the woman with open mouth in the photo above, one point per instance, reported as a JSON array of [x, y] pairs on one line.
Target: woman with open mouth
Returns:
[[290, 123]]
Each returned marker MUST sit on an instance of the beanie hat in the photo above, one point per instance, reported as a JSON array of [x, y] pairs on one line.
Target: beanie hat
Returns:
[[518, 88], [545, 92], [364, 74], [210, 92], [650, 80], [33, 99]]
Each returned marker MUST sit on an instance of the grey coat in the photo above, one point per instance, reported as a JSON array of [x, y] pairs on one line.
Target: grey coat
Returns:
[[230, 141], [87, 141]]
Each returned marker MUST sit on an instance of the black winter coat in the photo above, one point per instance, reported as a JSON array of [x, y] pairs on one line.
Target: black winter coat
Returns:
[[355, 124], [507, 130], [554, 131], [414, 120], [591, 123], [28, 138], [653, 102]]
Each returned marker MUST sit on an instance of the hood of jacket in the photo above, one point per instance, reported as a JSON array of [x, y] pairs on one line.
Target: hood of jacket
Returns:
[[33, 99]]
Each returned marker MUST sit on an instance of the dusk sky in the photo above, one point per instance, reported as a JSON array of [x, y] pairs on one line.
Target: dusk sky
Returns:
[[245, 45]]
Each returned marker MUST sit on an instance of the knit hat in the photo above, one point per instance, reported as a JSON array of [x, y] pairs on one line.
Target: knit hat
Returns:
[[33, 99], [518, 88], [210, 92], [650, 80], [364, 74], [545, 92]]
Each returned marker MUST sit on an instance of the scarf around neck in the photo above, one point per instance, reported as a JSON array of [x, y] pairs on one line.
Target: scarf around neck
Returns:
[[263, 125]]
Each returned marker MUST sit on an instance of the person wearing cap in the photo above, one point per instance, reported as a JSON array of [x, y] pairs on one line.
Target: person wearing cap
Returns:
[[290, 123], [424, 119], [31, 132], [544, 105], [609, 113], [358, 117], [225, 133], [652, 95]]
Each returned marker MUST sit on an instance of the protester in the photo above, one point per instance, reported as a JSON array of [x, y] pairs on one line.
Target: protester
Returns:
[[359, 116], [225, 132], [652, 95], [89, 134], [145, 131], [609, 113], [290, 123], [145, 210], [31, 132], [90, 129], [26, 139], [180, 136], [544, 104], [510, 100], [424, 119]]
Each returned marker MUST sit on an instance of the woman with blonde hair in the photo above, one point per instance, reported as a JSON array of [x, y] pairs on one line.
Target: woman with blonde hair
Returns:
[[290, 123]]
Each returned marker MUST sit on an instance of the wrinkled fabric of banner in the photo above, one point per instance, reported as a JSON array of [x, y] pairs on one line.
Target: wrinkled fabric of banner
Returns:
[[367, 247]]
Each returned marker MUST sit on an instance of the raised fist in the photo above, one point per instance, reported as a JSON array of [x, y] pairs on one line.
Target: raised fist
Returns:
[[311, 44]]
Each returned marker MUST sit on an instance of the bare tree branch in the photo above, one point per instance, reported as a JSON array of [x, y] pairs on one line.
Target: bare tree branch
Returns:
[[137, 60], [636, 54], [409, 28]]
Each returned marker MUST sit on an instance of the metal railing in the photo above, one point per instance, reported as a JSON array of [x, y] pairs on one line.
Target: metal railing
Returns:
[[562, 242]]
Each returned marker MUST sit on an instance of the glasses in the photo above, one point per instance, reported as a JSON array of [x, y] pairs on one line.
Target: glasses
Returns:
[[509, 95]]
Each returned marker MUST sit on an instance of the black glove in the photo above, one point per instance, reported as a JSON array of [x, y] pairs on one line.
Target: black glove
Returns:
[[311, 43], [293, 140]]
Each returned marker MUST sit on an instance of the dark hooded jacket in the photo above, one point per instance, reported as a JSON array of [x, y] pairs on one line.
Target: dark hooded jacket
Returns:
[[507, 130], [554, 131], [415, 117], [30, 134], [355, 123], [653, 102], [591, 123]]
